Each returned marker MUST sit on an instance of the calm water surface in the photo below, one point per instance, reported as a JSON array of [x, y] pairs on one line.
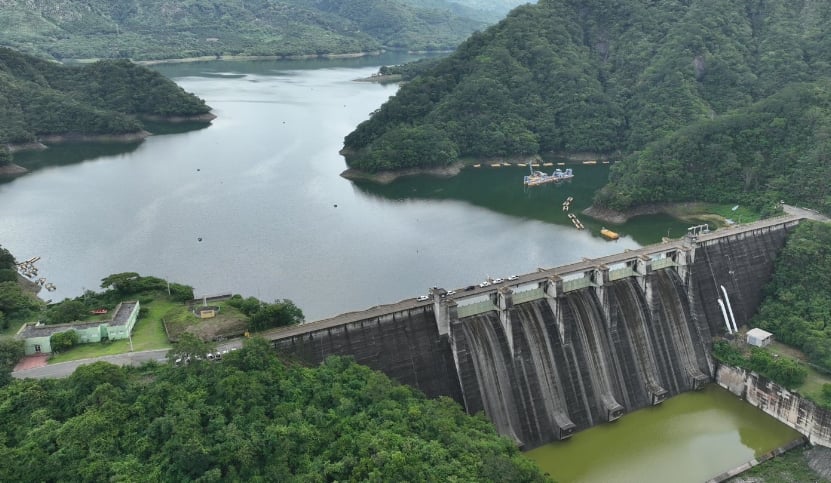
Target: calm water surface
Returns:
[[261, 187], [689, 438]]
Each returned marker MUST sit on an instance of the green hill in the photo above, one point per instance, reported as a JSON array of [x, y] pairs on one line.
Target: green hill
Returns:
[[158, 29], [40, 98], [606, 77]]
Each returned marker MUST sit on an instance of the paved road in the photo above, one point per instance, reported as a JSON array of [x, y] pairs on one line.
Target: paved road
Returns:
[[804, 213], [64, 369]]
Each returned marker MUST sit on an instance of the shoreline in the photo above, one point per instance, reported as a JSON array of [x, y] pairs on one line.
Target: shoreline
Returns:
[[209, 58], [685, 210], [12, 170], [387, 177], [206, 117]]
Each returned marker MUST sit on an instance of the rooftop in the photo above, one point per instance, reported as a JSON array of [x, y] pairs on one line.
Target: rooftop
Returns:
[[120, 317]]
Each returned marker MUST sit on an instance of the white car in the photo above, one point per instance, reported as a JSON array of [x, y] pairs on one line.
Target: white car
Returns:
[[422, 298], [513, 277], [498, 280], [484, 284], [452, 292]]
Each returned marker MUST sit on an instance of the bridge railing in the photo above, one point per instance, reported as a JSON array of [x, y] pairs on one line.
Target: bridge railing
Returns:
[[476, 309], [528, 295], [576, 284], [621, 273], [663, 263]]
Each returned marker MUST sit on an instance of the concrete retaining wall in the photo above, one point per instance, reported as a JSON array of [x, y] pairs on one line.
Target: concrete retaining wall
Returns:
[[788, 407]]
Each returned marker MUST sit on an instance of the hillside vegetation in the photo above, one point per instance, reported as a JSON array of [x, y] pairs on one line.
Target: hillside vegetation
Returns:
[[39, 98], [250, 417], [158, 29], [613, 77], [798, 298]]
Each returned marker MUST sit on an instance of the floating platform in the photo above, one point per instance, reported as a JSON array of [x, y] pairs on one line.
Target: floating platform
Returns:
[[537, 178]]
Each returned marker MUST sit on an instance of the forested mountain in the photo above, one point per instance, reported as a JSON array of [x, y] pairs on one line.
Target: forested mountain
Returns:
[[610, 77], [490, 11], [158, 29], [40, 98], [250, 417]]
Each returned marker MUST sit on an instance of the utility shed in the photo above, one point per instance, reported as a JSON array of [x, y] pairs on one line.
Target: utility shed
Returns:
[[759, 337]]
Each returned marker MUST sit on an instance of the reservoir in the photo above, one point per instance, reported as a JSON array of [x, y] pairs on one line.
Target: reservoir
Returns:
[[688, 438], [254, 204]]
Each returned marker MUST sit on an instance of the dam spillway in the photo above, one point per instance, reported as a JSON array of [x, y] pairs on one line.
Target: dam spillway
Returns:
[[564, 349]]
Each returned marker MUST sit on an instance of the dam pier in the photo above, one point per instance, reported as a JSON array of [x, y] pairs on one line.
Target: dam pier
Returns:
[[562, 349]]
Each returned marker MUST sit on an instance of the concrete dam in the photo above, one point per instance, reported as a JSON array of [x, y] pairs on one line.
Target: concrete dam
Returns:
[[562, 349]]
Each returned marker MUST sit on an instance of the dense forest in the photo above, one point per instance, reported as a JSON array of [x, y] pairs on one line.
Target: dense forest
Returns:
[[39, 98], [611, 78], [157, 29], [251, 417], [798, 299]]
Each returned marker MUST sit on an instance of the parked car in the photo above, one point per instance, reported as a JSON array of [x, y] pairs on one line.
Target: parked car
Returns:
[[484, 284], [452, 292], [498, 280], [513, 277], [422, 298], [470, 287]]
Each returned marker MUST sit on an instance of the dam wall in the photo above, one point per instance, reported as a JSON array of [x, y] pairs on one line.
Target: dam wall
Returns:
[[405, 345], [734, 268], [811, 420], [553, 352]]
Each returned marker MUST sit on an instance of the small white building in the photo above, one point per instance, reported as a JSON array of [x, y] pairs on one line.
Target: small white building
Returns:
[[759, 337]]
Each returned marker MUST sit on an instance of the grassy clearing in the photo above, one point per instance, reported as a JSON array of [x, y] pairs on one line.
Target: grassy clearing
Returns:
[[148, 334], [715, 214], [812, 387], [228, 322]]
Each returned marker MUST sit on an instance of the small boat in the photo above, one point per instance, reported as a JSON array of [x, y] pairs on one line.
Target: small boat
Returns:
[[506, 164], [548, 164], [607, 233], [590, 161], [496, 165], [477, 165]]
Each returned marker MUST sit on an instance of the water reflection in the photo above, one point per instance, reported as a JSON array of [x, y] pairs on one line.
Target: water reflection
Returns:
[[72, 153], [501, 190]]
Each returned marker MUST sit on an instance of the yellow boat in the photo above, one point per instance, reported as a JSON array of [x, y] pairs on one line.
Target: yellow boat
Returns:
[[607, 233]]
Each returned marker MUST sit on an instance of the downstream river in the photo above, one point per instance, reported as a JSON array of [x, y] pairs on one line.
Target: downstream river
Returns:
[[689, 438], [254, 204]]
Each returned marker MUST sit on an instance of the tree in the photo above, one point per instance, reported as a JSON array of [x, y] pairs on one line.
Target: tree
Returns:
[[63, 341], [124, 283], [11, 351], [189, 346], [66, 311], [278, 314], [13, 300]]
